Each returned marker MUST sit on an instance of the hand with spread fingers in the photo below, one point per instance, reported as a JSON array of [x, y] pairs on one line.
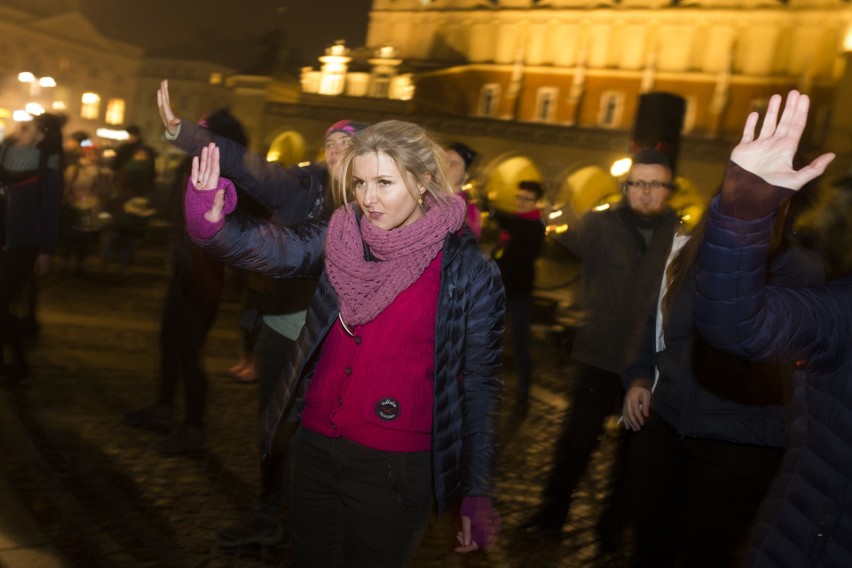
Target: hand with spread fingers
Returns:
[[770, 154]]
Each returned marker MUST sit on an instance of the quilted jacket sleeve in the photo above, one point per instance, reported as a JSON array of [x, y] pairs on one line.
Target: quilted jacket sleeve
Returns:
[[267, 183], [737, 311], [483, 381]]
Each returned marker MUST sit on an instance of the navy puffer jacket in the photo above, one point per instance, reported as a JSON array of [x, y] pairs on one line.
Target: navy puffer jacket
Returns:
[[468, 331], [806, 518]]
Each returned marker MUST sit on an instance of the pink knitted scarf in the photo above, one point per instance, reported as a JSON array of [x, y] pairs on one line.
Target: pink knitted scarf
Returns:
[[366, 287]]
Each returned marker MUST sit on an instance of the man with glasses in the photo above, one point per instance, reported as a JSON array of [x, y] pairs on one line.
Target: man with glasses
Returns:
[[623, 251], [519, 246]]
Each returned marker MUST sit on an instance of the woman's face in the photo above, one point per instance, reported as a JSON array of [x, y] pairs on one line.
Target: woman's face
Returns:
[[335, 146], [381, 191], [28, 134]]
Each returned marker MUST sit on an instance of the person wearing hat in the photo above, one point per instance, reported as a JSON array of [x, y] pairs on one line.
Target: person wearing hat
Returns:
[[460, 157], [294, 194]]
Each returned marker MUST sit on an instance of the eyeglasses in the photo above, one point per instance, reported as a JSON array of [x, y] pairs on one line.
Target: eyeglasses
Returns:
[[641, 184]]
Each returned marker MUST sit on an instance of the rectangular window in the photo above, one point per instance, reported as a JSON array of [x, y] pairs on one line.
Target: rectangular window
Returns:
[[545, 103], [115, 111], [489, 96], [91, 106], [611, 109]]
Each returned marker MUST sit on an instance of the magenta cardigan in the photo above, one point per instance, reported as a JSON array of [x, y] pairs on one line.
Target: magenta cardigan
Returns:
[[376, 387]]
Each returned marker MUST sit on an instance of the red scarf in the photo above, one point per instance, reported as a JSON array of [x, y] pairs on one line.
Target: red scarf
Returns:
[[366, 287]]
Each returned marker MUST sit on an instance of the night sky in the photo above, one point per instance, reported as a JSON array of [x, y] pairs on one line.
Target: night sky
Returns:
[[229, 32]]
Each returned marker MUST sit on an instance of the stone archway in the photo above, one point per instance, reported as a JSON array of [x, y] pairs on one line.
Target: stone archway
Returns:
[[501, 176], [287, 148]]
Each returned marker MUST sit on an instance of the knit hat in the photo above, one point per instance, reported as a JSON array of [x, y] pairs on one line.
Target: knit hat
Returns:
[[346, 126], [468, 154]]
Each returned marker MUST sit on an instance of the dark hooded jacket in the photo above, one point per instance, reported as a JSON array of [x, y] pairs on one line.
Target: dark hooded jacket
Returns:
[[806, 518]]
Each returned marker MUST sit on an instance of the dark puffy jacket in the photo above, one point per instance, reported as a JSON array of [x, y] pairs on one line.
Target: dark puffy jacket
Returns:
[[705, 392], [619, 282], [468, 330], [806, 518]]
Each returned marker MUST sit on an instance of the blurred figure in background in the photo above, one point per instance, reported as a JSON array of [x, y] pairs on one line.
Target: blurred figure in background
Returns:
[[132, 207], [31, 187], [190, 308], [460, 158], [521, 239]]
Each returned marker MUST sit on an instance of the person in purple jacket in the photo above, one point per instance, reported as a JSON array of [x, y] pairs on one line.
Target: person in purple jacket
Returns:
[[806, 517]]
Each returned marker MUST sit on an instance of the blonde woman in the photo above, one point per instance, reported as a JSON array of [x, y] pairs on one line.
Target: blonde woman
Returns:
[[397, 376]]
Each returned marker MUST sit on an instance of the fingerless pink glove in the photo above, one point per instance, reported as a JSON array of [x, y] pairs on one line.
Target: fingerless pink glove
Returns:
[[197, 202], [484, 521]]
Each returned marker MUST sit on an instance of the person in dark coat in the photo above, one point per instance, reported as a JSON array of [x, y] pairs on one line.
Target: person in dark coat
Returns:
[[806, 517], [623, 251], [710, 427], [30, 199], [519, 246], [397, 372], [189, 310]]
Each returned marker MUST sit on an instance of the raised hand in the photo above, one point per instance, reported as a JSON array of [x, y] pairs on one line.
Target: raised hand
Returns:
[[170, 121], [205, 177], [770, 155]]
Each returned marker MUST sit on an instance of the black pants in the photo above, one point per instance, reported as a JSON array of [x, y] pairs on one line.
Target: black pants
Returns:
[[354, 506], [519, 318], [693, 499], [271, 351], [190, 307], [594, 397], [16, 267]]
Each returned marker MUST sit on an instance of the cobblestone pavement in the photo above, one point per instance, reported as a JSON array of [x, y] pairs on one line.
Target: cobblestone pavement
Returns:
[[106, 498]]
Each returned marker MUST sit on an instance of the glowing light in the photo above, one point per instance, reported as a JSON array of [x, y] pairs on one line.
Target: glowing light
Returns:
[[34, 109], [26, 77], [90, 98], [21, 116], [620, 167], [847, 40], [686, 217], [111, 134], [555, 214], [273, 156], [601, 207], [58, 105], [46, 82], [560, 229]]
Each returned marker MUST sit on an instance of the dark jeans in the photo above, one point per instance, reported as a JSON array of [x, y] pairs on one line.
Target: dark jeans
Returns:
[[16, 268], [354, 506], [594, 397], [190, 307], [271, 351], [519, 317], [693, 499]]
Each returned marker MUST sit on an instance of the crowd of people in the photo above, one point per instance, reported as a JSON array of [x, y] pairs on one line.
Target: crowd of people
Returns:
[[377, 327]]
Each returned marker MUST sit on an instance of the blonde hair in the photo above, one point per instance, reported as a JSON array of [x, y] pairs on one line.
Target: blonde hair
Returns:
[[412, 149]]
